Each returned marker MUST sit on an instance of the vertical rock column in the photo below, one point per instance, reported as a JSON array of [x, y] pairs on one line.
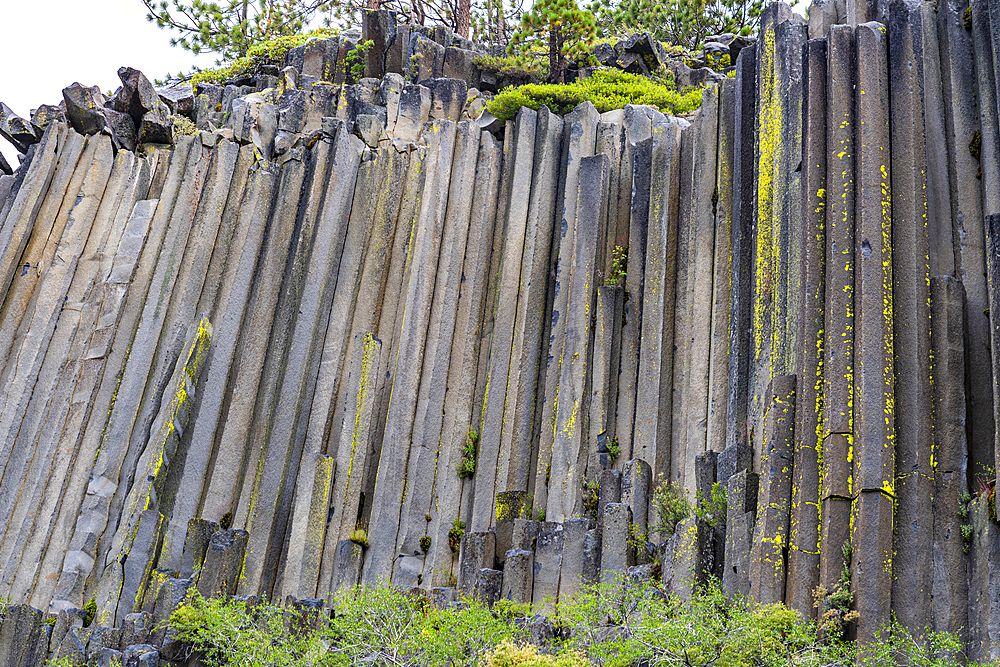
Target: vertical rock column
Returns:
[[701, 256], [579, 141], [804, 537], [910, 32], [718, 370], [494, 414], [838, 349], [770, 535], [874, 411], [651, 441], [950, 587], [790, 37], [426, 246], [769, 124], [569, 450], [741, 274]]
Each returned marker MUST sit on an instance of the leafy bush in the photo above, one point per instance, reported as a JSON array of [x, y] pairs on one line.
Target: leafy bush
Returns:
[[613, 624], [616, 277], [671, 506], [605, 89], [359, 536], [712, 510]]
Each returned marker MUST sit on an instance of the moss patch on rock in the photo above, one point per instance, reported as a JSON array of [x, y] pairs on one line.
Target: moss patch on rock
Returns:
[[605, 89]]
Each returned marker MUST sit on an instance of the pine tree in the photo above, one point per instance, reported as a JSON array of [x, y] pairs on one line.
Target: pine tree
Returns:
[[232, 27], [560, 29]]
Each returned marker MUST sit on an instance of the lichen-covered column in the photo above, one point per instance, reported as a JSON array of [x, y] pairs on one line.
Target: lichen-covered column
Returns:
[[838, 350], [804, 537], [874, 422]]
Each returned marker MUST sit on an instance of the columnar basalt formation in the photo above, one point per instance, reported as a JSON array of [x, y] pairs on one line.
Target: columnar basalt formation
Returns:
[[350, 331]]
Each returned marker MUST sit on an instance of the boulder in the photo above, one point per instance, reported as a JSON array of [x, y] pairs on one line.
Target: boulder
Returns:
[[17, 130], [156, 128], [370, 128], [606, 54], [82, 109], [179, 98], [137, 98], [122, 128], [47, 114]]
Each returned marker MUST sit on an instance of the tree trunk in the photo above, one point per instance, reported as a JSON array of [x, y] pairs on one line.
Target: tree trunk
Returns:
[[373, 4], [464, 18]]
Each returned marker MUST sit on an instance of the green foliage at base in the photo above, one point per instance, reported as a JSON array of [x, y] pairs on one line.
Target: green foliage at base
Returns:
[[271, 52], [608, 624], [605, 89], [671, 506]]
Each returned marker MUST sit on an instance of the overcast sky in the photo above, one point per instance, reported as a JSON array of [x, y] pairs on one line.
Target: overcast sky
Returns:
[[49, 44]]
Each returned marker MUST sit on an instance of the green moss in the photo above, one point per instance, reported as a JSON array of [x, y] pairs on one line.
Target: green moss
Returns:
[[425, 543], [91, 610], [226, 521], [359, 536], [271, 52], [976, 144], [605, 89], [967, 18]]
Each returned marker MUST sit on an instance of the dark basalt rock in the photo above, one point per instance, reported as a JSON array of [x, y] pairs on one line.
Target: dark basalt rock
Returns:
[[82, 109], [137, 97]]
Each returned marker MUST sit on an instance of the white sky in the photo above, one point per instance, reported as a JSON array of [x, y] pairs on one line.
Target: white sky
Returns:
[[49, 44]]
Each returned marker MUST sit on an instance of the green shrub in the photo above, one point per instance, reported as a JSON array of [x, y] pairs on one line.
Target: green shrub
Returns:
[[359, 536], [527, 655], [613, 624], [671, 506], [712, 510], [455, 535], [605, 89], [616, 277], [467, 466]]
